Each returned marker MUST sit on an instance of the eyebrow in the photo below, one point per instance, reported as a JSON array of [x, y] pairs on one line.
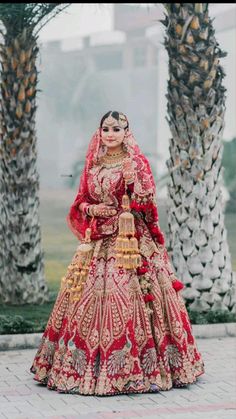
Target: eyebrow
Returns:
[[116, 126]]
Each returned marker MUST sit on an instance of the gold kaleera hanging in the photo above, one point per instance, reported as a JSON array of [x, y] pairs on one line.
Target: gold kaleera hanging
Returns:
[[127, 251], [78, 269]]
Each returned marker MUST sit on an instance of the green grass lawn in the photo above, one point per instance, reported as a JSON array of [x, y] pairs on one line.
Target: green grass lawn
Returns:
[[59, 245], [58, 242]]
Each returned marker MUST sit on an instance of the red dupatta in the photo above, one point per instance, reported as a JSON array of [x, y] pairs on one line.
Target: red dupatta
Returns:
[[78, 221]]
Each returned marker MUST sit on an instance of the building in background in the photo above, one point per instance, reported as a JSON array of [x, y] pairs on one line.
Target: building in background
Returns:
[[125, 69]]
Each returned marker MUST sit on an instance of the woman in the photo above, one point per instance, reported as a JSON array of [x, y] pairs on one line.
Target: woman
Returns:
[[119, 324]]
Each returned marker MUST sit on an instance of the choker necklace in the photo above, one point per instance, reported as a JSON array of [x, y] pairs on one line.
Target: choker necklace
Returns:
[[119, 153], [114, 158]]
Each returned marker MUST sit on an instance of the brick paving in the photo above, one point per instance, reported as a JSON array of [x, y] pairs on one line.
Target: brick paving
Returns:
[[213, 396]]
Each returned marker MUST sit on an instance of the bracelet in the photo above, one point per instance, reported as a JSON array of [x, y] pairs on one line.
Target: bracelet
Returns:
[[90, 210], [85, 208]]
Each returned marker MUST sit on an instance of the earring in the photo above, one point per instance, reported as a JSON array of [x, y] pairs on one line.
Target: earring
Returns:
[[104, 149], [125, 145]]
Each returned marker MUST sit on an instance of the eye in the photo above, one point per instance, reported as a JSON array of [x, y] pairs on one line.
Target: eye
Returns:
[[116, 129], [104, 129]]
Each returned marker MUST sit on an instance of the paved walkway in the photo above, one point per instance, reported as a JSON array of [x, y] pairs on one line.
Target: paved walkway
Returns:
[[213, 396]]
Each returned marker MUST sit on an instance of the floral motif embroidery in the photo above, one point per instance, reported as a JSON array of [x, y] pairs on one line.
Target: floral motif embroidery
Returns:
[[79, 360], [173, 355], [116, 362], [94, 338], [149, 361], [106, 337], [139, 335], [47, 351]]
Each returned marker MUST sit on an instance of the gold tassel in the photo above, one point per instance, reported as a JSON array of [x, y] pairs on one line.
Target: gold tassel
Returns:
[[127, 251], [77, 276]]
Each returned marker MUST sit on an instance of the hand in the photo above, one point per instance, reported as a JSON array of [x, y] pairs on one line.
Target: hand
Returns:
[[102, 210], [128, 170]]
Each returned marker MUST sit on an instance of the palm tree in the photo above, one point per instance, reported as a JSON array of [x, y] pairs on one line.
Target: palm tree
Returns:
[[196, 107], [21, 257]]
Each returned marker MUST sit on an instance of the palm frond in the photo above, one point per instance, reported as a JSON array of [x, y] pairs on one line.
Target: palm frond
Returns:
[[50, 14], [16, 16]]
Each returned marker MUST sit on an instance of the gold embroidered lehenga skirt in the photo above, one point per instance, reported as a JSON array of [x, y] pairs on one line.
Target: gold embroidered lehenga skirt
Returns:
[[112, 341]]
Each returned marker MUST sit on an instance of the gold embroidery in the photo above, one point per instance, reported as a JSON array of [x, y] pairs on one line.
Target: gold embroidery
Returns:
[[106, 343]]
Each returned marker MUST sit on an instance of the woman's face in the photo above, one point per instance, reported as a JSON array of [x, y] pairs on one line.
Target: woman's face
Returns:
[[112, 134]]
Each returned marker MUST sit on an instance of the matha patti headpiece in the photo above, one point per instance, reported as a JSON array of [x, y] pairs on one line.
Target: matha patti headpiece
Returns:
[[122, 122]]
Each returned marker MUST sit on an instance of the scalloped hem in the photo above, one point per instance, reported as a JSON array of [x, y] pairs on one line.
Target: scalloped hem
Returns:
[[132, 387]]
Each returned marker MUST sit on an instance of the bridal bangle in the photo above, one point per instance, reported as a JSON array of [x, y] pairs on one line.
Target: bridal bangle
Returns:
[[91, 211], [85, 208]]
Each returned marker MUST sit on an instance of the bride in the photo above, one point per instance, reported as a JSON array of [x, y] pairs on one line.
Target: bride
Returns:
[[119, 324]]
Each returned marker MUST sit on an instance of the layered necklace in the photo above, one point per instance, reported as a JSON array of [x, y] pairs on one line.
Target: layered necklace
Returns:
[[111, 158]]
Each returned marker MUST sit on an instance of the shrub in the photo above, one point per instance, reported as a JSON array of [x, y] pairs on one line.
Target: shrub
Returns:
[[211, 317], [17, 324]]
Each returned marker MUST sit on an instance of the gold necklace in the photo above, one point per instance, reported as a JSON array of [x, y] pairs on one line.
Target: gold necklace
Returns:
[[120, 153], [113, 158]]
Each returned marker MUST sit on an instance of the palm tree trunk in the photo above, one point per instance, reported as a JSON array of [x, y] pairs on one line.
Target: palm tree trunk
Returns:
[[196, 107], [21, 257]]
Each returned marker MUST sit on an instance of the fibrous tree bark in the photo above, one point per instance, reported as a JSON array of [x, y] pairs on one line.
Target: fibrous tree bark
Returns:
[[196, 109], [21, 256]]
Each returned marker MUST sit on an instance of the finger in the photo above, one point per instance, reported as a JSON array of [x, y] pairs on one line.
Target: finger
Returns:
[[110, 207], [109, 213]]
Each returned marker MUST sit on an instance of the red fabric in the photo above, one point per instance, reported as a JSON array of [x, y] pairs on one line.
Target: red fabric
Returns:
[[141, 270], [130, 187], [149, 206], [156, 232], [177, 285], [77, 221], [137, 234], [148, 297]]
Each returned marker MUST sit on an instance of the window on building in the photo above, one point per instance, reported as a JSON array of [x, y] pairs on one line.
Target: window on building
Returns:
[[140, 56], [109, 60]]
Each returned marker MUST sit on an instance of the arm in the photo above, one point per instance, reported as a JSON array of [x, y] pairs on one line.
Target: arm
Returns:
[[77, 219], [142, 190]]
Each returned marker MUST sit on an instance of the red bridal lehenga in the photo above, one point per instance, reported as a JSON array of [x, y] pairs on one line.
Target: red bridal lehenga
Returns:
[[129, 332]]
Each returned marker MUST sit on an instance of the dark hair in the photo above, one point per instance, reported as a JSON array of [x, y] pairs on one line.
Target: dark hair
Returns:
[[114, 114]]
